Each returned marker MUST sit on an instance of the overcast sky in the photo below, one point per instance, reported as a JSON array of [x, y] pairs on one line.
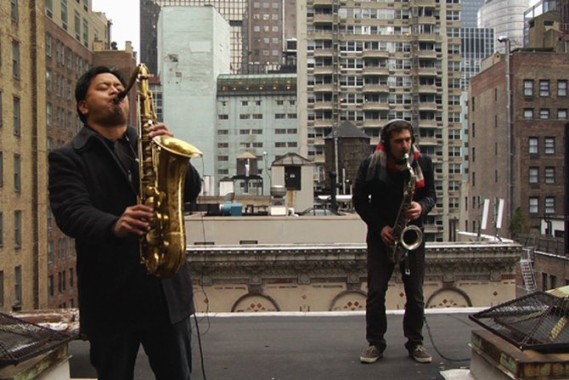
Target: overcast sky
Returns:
[[125, 16]]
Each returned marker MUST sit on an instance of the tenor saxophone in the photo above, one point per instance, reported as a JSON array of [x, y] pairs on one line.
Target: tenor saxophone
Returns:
[[163, 163], [407, 236]]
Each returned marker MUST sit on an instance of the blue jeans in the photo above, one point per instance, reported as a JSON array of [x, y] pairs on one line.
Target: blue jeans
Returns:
[[379, 272], [167, 346]]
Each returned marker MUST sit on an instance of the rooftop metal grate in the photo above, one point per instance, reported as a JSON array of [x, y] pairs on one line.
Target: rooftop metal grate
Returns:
[[21, 340], [538, 321]]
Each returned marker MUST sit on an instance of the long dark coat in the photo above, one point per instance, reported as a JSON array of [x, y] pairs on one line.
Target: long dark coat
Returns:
[[89, 190]]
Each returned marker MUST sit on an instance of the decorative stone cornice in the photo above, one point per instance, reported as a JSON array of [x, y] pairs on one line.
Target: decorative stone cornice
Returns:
[[301, 263]]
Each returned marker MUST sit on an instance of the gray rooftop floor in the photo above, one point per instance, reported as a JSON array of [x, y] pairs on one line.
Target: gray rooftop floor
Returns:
[[310, 346]]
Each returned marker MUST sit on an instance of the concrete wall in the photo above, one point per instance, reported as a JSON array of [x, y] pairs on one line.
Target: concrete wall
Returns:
[[228, 230]]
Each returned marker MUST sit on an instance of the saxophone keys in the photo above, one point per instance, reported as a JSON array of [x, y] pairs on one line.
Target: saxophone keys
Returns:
[[153, 238]]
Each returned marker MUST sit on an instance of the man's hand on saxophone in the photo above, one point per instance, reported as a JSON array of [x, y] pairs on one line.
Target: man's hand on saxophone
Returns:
[[159, 129], [135, 219], [414, 211]]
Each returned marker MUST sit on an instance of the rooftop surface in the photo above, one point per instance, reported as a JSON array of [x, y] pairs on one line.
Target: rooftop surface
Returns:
[[310, 346]]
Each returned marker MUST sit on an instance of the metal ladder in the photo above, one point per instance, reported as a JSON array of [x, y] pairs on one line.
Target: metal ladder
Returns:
[[526, 264]]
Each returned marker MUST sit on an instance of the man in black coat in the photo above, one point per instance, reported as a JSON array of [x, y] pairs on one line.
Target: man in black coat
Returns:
[[93, 188], [378, 195]]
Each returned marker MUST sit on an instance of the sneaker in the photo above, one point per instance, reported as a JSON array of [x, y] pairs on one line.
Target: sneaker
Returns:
[[420, 354], [370, 354]]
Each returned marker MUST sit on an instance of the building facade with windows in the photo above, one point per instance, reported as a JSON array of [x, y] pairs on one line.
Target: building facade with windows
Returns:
[[46, 46], [522, 163], [23, 270], [374, 61], [256, 114]]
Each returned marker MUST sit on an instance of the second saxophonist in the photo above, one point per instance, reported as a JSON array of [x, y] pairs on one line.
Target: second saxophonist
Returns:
[[378, 195]]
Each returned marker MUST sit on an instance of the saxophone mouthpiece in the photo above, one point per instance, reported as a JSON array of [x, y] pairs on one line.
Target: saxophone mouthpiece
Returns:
[[120, 97]]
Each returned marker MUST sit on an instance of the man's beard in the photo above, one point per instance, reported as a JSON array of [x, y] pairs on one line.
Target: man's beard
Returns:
[[116, 117]]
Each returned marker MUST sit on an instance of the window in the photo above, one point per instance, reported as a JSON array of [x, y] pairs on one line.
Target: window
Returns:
[[18, 285], [550, 205], [561, 88], [16, 59], [50, 286], [85, 32], [1, 229], [552, 282], [64, 14], [533, 177], [544, 87], [17, 173], [14, 11], [550, 175], [18, 229], [562, 114], [544, 113], [16, 116], [550, 145], [49, 8], [528, 88], [528, 113], [77, 20], [1, 169], [533, 145], [533, 205]]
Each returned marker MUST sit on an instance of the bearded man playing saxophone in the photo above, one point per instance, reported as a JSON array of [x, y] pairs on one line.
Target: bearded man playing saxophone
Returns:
[[93, 188], [378, 196]]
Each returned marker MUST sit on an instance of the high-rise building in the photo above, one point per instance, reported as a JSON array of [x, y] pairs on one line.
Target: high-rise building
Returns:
[[374, 61], [45, 46], [469, 15], [233, 11], [506, 17], [259, 30], [193, 46], [269, 23]]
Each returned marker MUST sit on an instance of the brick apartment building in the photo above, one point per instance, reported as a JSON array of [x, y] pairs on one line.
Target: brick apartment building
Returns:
[[522, 163]]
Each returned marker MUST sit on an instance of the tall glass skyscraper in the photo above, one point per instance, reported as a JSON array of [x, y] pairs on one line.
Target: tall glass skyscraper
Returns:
[[506, 17]]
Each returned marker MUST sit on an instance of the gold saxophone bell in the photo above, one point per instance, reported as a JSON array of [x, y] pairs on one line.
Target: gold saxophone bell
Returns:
[[163, 164]]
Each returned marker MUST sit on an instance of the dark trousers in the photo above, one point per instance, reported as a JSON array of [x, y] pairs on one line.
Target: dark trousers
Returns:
[[379, 272], [167, 346]]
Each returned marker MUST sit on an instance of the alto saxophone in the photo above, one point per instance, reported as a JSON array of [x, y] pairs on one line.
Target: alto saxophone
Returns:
[[407, 236], [163, 164]]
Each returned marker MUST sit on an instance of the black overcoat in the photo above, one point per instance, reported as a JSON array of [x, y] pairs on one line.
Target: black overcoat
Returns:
[[378, 202], [89, 190]]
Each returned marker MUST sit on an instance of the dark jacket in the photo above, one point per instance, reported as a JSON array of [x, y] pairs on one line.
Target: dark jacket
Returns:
[[89, 190], [377, 202]]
